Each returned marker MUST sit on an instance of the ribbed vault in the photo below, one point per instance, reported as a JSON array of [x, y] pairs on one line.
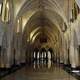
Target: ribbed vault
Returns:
[[26, 25], [42, 18]]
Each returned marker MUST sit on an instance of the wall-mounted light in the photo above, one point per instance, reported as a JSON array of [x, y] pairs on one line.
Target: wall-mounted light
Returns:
[[0, 9]]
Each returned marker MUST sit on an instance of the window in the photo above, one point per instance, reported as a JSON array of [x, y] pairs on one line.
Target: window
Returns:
[[75, 11], [76, 8], [18, 22], [6, 11], [0, 9], [19, 25]]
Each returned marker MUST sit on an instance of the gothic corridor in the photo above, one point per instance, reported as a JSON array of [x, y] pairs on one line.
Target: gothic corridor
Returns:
[[39, 39]]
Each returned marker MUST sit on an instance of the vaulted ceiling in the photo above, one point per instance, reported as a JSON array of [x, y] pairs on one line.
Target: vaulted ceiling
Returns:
[[42, 16]]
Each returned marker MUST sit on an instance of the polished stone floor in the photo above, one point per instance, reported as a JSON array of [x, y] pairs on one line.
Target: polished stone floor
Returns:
[[40, 70]]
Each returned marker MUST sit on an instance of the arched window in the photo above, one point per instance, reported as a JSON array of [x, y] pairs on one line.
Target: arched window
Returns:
[[0, 9], [45, 54], [38, 55], [6, 11], [49, 55], [18, 25], [76, 10]]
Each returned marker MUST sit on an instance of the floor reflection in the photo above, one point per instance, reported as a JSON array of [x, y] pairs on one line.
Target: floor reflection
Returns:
[[40, 64], [40, 70], [49, 64]]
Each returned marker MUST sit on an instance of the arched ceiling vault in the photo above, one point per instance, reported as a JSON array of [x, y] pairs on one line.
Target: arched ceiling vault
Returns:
[[50, 40], [37, 36], [36, 20], [39, 4], [52, 30], [41, 16], [47, 33], [54, 37], [31, 5], [48, 30]]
